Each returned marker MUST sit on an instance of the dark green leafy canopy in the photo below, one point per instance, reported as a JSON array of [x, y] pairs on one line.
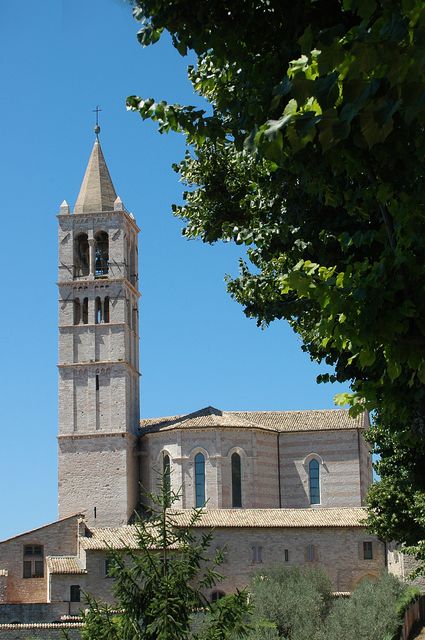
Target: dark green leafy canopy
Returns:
[[313, 157]]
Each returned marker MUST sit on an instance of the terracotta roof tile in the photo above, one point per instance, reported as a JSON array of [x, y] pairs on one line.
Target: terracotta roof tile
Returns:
[[64, 564], [111, 538], [123, 537], [276, 518], [317, 420]]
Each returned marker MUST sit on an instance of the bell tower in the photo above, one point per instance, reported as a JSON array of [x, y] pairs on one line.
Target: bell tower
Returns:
[[98, 352]]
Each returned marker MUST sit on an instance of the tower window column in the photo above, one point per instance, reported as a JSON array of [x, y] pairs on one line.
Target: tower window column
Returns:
[[92, 253]]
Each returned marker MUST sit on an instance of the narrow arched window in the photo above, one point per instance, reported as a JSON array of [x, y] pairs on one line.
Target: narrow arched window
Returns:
[[97, 311], [199, 480], [314, 481], [166, 470], [77, 311], [106, 309], [81, 255], [85, 313], [236, 480], [101, 259]]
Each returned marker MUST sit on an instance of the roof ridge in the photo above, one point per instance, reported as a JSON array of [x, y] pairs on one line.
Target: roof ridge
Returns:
[[284, 410]]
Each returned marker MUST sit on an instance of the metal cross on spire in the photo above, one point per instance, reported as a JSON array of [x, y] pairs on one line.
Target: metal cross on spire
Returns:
[[97, 127]]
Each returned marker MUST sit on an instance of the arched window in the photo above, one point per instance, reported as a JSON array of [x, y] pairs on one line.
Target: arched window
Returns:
[[236, 480], [97, 311], [106, 309], [77, 311], [85, 311], [166, 470], [314, 481], [81, 255], [101, 259], [199, 480]]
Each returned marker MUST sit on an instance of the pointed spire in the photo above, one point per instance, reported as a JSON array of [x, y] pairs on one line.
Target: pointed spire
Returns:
[[97, 192]]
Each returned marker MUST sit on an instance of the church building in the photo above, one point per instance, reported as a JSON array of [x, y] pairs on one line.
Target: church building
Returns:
[[279, 488]]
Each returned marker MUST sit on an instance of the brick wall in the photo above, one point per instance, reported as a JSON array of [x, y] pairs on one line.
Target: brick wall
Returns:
[[345, 470], [338, 550], [59, 538], [338, 454], [101, 472]]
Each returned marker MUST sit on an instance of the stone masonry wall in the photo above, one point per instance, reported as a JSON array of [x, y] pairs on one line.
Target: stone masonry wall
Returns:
[[59, 538], [3, 588], [341, 482], [98, 472], [338, 455], [338, 550]]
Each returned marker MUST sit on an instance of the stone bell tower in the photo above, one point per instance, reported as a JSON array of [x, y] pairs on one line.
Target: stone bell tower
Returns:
[[98, 352]]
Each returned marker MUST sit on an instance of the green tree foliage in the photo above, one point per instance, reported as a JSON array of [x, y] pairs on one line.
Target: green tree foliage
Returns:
[[312, 156], [290, 603], [158, 587], [296, 604], [371, 613]]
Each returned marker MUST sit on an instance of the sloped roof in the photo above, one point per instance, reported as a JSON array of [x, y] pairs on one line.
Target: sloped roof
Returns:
[[274, 518], [209, 417], [64, 565], [126, 536], [74, 516], [4, 573], [110, 538], [97, 192]]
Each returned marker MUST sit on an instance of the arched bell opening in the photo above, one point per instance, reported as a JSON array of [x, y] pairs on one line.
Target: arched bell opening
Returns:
[[81, 256], [101, 259]]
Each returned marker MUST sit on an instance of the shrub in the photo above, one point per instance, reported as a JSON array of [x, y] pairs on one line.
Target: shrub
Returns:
[[407, 597], [369, 614], [293, 601]]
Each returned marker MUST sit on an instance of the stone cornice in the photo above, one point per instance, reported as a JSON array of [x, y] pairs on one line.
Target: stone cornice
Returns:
[[97, 434], [87, 216], [90, 325], [91, 282], [97, 364]]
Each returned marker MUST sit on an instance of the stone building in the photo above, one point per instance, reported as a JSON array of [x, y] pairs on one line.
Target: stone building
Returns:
[[278, 487]]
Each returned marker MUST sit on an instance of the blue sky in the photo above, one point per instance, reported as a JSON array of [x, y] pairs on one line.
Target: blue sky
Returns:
[[57, 62]]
